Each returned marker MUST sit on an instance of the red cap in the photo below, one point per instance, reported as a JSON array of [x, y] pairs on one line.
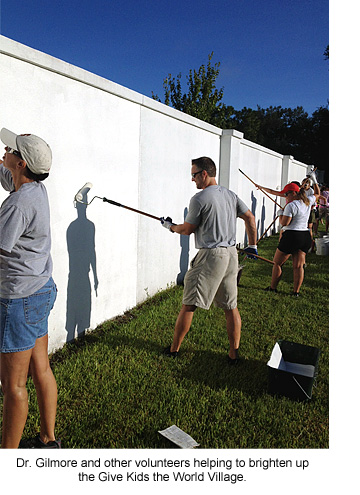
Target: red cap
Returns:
[[290, 187]]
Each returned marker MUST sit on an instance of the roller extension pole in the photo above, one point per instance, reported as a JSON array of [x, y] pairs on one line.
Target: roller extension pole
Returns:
[[256, 256], [272, 223], [129, 208], [79, 198], [262, 190]]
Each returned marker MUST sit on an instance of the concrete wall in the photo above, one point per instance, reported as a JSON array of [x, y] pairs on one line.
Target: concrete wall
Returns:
[[135, 151]]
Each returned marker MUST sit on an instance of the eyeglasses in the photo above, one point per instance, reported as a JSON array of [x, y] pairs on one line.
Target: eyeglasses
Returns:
[[195, 174], [12, 151]]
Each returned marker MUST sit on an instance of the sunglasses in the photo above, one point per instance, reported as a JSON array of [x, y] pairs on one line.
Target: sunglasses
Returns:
[[195, 174], [12, 151]]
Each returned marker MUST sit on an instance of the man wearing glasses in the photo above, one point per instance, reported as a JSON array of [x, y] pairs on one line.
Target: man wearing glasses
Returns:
[[213, 272]]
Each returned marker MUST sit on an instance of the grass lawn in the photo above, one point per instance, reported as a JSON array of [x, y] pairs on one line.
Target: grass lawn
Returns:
[[116, 389]]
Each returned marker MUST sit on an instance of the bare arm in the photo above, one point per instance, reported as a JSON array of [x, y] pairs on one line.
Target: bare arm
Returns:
[[284, 221], [271, 191], [184, 228], [316, 191], [250, 227]]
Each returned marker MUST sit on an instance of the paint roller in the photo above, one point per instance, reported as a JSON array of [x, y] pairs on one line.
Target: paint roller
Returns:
[[79, 198]]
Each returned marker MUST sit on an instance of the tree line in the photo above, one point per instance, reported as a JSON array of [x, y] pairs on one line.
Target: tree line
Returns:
[[289, 131]]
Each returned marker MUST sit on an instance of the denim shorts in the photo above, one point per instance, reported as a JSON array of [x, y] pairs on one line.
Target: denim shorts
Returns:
[[24, 320]]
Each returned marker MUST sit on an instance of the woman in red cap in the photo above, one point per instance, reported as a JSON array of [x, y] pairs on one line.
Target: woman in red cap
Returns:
[[296, 239], [310, 186]]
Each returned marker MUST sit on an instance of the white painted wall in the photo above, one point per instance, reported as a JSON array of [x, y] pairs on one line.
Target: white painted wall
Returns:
[[135, 151], [263, 167]]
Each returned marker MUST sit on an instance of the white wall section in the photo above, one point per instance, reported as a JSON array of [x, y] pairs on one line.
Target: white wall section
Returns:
[[135, 151]]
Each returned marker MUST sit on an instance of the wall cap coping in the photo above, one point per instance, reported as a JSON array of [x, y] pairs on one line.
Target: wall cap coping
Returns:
[[40, 59]]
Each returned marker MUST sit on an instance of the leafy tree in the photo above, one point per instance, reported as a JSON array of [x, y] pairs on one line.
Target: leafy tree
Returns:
[[289, 131], [319, 144], [203, 99], [246, 120], [282, 129]]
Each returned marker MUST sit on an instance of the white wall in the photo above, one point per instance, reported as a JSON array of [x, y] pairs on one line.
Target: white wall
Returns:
[[135, 151], [165, 187], [262, 166]]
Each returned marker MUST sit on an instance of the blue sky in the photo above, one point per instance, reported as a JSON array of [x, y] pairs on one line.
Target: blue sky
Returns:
[[270, 51]]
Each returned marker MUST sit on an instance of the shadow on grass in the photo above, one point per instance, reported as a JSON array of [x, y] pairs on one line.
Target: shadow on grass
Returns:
[[212, 370], [205, 367]]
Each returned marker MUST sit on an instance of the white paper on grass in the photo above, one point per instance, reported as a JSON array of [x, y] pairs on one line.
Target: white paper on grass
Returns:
[[179, 437], [278, 362]]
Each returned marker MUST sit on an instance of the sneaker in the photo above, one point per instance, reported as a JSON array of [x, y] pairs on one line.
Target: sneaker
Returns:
[[295, 294], [168, 353], [233, 362], [37, 443], [269, 289]]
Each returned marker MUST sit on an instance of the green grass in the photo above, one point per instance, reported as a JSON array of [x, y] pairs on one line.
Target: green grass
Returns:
[[116, 389]]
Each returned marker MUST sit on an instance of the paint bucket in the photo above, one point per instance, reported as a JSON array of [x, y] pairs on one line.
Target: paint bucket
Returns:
[[292, 370], [322, 246]]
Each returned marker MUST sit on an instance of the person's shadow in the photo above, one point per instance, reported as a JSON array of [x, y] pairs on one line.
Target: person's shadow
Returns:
[[262, 221], [253, 211], [80, 237], [184, 255]]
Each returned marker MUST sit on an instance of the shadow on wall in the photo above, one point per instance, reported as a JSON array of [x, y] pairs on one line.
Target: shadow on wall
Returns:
[[262, 220], [260, 223], [80, 238], [184, 255], [253, 211], [273, 230]]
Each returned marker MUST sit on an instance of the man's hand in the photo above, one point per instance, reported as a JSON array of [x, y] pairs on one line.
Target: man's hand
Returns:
[[252, 249], [167, 223], [312, 176]]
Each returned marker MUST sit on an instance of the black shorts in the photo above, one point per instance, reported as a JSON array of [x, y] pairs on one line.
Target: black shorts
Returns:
[[295, 240]]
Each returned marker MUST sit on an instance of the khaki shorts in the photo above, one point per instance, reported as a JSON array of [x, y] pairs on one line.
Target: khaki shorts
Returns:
[[212, 278]]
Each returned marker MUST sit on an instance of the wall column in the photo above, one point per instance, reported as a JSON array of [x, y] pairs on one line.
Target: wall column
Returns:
[[230, 150], [285, 173]]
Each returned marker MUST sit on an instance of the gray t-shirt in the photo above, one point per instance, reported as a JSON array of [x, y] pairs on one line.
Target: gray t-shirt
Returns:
[[214, 210], [25, 241]]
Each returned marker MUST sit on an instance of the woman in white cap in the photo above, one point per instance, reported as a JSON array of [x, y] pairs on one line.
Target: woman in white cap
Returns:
[[27, 290], [296, 239]]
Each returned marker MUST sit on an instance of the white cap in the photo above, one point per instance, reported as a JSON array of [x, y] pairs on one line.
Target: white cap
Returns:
[[36, 153]]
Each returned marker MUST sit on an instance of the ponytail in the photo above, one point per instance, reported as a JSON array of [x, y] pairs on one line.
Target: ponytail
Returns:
[[303, 196]]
